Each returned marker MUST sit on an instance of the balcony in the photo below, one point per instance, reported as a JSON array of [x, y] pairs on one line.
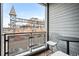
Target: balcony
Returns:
[[24, 43]]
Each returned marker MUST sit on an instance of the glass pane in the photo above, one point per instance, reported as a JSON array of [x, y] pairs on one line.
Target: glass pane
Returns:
[[38, 40], [18, 44]]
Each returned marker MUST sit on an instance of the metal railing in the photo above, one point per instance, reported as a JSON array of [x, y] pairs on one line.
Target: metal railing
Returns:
[[16, 43]]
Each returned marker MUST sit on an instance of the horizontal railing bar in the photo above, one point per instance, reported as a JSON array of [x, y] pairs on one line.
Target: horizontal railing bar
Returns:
[[23, 33]]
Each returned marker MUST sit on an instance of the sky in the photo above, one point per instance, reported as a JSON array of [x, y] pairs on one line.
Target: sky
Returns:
[[23, 10]]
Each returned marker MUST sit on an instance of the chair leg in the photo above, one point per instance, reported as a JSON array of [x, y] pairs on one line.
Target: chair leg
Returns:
[[55, 49], [51, 49]]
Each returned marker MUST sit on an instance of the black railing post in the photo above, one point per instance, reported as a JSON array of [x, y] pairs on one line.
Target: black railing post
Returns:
[[4, 44], [8, 46], [68, 47]]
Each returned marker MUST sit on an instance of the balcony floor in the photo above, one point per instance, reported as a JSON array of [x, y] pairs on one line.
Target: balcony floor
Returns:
[[43, 53]]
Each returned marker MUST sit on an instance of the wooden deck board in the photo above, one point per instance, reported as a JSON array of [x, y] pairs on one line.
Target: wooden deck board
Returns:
[[44, 53]]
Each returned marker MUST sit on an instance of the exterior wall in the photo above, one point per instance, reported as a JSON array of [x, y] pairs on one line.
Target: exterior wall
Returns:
[[0, 29], [64, 20]]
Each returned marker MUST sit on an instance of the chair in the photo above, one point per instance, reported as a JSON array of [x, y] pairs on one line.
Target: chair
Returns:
[[53, 44]]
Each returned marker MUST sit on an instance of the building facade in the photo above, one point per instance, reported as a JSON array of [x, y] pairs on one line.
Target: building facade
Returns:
[[24, 25]]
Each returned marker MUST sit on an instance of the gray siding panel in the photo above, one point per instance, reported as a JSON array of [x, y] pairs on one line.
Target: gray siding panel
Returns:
[[64, 20]]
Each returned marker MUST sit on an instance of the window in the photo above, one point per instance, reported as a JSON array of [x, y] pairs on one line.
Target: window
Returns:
[[26, 30]]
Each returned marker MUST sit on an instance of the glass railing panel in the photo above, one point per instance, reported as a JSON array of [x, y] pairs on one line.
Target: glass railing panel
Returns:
[[18, 44], [23, 42], [38, 40]]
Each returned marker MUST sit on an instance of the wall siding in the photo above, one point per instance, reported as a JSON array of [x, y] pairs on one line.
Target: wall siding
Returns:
[[64, 20]]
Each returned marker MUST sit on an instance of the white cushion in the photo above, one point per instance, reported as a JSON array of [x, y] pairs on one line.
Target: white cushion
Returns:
[[51, 43], [59, 53]]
